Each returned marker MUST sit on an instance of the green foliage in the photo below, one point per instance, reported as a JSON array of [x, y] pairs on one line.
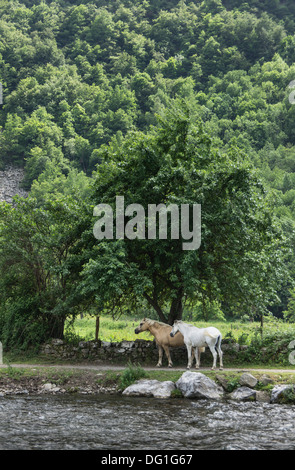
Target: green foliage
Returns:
[[271, 348], [288, 396], [14, 373], [232, 384], [177, 163], [110, 330], [83, 82], [130, 375], [39, 268], [289, 314]]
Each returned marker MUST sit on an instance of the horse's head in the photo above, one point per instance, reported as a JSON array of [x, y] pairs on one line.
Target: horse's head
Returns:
[[143, 326], [175, 328]]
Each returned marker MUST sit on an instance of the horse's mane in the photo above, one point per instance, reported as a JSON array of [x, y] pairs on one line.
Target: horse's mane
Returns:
[[155, 322]]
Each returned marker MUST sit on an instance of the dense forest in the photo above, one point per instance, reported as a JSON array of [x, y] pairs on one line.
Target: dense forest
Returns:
[[166, 98]]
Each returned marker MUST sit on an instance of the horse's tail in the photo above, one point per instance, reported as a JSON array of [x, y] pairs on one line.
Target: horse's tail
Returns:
[[218, 343]]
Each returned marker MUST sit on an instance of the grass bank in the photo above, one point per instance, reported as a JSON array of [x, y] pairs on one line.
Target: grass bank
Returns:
[[270, 347], [271, 350], [123, 329], [38, 380]]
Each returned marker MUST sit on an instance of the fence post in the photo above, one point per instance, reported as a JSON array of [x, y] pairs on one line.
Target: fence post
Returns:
[[1, 354]]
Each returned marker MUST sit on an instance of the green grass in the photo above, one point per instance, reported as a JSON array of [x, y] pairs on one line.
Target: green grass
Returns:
[[123, 329], [272, 352], [110, 330]]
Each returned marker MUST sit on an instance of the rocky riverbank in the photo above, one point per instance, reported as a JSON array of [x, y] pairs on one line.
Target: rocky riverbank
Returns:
[[234, 385], [21, 381], [196, 385]]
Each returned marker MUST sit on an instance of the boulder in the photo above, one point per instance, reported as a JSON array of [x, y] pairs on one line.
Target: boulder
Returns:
[[224, 382], [243, 394], [262, 396], [164, 389], [197, 385], [150, 388], [278, 392], [248, 380], [266, 380], [50, 387]]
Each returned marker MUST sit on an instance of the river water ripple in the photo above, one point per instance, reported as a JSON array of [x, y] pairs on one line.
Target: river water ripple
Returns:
[[84, 422]]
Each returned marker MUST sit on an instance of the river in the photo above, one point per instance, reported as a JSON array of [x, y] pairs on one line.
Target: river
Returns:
[[83, 422]]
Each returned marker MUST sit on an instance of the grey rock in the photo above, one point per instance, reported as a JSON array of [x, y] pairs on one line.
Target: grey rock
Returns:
[[50, 387], [278, 392], [57, 342], [164, 389], [150, 388], [262, 396], [197, 385], [223, 381], [127, 344], [266, 380], [10, 179], [248, 380], [243, 394]]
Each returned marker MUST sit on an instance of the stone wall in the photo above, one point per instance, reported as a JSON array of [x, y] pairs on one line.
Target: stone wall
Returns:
[[10, 179], [140, 351]]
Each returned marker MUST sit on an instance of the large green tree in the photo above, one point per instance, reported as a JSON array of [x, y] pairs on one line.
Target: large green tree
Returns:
[[175, 163], [40, 263]]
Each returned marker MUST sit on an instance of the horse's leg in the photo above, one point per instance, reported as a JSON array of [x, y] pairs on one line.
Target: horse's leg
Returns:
[[160, 356], [197, 355], [214, 354], [220, 353], [189, 354], [167, 352], [220, 358]]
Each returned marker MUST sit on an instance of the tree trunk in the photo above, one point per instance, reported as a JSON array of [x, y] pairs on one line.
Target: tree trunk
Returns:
[[176, 308], [57, 327], [97, 328], [156, 306]]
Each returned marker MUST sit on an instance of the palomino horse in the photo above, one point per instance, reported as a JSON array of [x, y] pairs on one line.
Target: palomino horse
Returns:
[[195, 338], [161, 332]]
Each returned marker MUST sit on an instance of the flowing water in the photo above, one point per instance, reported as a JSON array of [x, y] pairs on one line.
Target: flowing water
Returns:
[[84, 422]]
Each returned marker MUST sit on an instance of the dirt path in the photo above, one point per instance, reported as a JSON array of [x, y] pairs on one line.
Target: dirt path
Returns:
[[107, 367]]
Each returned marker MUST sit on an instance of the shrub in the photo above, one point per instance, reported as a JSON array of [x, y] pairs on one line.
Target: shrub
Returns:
[[272, 348], [130, 375]]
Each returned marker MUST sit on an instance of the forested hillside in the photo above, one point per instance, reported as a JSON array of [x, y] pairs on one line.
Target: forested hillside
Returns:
[[80, 75]]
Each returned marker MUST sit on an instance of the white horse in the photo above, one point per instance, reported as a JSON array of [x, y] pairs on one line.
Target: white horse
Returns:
[[195, 338]]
